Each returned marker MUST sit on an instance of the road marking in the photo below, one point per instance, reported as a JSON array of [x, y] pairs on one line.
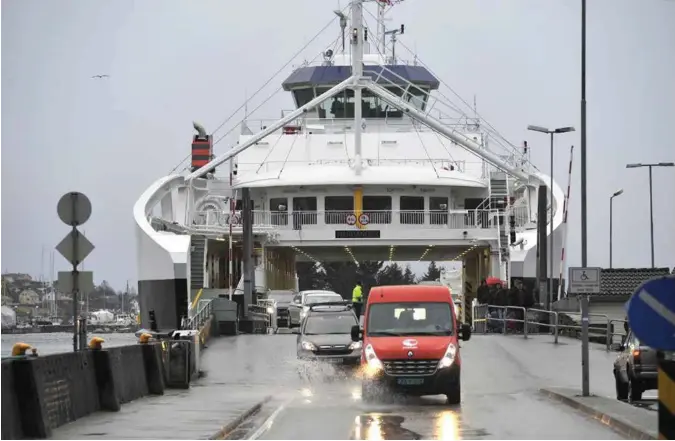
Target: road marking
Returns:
[[267, 424], [657, 306]]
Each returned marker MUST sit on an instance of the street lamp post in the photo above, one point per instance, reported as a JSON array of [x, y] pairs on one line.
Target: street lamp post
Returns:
[[550, 248], [651, 206], [611, 199]]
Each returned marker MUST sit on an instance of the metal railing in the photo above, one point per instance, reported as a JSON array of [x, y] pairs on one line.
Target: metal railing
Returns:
[[199, 317], [499, 319], [440, 163], [281, 220]]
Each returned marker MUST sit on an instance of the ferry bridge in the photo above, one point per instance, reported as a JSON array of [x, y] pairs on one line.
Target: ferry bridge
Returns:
[[387, 180]]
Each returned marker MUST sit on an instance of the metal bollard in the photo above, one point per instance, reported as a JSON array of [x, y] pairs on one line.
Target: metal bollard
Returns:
[[555, 328], [608, 335], [525, 323]]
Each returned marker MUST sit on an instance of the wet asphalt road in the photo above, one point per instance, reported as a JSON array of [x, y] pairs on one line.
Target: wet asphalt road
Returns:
[[500, 381]]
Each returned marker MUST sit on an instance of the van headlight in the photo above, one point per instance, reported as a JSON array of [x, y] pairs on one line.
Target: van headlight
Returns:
[[372, 361], [449, 356], [308, 346], [355, 345], [303, 313]]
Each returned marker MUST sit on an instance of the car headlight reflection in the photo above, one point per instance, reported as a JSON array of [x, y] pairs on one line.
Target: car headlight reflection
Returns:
[[308, 346], [449, 357]]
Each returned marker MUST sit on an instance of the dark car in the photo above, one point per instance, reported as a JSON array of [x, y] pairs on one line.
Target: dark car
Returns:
[[635, 369], [282, 300], [325, 335]]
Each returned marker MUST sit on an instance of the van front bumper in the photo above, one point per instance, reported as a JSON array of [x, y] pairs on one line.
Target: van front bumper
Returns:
[[440, 382]]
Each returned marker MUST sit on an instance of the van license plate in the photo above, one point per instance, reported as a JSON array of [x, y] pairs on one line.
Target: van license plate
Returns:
[[410, 381]]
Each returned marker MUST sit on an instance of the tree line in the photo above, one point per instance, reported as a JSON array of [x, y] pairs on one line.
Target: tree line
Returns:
[[341, 277]]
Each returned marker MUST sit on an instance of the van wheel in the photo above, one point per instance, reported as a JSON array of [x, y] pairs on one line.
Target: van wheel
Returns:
[[454, 395], [634, 390]]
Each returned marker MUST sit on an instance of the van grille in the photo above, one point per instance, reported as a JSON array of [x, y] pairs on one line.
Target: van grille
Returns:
[[410, 367]]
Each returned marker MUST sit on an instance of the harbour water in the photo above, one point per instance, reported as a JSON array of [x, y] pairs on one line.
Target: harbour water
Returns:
[[55, 342]]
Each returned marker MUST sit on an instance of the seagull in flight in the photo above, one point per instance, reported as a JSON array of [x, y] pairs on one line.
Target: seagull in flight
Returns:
[[101, 76]]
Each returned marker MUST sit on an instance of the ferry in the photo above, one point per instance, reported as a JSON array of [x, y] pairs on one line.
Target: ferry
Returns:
[[403, 175]]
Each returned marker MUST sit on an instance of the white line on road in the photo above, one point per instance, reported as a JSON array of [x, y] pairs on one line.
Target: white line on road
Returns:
[[267, 424]]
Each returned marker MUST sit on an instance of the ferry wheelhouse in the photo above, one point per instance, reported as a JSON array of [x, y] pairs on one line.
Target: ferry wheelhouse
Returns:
[[370, 165]]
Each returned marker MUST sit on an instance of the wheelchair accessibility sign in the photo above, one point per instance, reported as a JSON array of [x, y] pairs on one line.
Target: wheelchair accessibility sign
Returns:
[[584, 280]]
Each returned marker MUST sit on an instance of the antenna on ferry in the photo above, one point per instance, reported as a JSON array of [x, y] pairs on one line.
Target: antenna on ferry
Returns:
[[394, 33], [343, 26]]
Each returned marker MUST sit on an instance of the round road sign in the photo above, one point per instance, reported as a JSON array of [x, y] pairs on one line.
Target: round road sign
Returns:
[[351, 219], [74, 208], [364, 219]]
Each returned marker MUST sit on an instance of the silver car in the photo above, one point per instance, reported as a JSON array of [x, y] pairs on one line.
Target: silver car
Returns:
[[635, 369], [300, 304]]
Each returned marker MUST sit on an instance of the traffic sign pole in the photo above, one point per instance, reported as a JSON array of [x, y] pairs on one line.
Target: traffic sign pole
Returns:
[[74, 209], [585, 368]]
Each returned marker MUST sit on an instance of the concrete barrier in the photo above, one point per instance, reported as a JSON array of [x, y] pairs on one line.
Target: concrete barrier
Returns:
[[42, 393], [11, 423]]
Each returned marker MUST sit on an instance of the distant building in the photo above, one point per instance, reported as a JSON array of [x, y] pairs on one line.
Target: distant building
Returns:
[[29, 297]]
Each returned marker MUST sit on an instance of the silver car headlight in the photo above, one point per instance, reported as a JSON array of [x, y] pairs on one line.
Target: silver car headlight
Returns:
[[308, 346]]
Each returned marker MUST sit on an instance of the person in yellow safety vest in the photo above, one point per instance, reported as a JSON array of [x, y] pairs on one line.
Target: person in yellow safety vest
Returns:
[[357, 298]]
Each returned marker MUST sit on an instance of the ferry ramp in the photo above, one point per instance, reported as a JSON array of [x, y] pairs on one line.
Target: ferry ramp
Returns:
[[502, 376]]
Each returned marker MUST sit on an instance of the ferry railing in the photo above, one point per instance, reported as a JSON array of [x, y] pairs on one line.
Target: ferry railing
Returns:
[[200, 317], [496, 319], [440, 163], [391, 219]]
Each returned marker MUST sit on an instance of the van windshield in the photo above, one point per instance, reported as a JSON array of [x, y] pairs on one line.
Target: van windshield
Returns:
[[409, 318]]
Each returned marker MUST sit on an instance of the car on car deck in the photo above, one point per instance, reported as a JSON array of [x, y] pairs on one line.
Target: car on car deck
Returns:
[[325, 335], [410, 342], [282, 300], [301, 302]]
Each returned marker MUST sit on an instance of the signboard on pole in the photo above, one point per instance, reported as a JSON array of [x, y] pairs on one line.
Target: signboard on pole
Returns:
[[584, 280], [74, 209], [75, 247], [651, 313], [85, 282]]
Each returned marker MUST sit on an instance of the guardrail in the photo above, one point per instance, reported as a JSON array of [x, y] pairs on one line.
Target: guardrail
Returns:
[[199, 318], [502, 319], [284, 220]]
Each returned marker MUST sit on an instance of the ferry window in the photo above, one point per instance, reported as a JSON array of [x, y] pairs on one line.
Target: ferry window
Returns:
[[303, 96], [438, 206], [378, 209], [416, 97], [342, 105], [279, 209], [304, 211], [338, 208], [412, 210]]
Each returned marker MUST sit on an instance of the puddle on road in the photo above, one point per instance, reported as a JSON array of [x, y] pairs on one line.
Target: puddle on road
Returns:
[[444, 425]]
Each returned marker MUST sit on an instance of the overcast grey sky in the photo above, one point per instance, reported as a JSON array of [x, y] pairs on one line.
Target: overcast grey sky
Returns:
[[171, 62]]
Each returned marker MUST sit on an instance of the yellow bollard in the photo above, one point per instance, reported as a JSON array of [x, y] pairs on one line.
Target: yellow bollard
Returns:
[[96, 343], [19, 349], [144, 338]]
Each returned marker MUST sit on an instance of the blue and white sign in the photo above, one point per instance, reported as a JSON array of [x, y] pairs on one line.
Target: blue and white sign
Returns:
[[651, 313]]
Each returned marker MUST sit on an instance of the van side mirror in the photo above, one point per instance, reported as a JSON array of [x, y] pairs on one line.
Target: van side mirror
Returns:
[[356, 333], [465, 332]]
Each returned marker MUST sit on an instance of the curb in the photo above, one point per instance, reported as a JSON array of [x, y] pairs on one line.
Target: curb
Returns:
[[245, 415], [627, 429]]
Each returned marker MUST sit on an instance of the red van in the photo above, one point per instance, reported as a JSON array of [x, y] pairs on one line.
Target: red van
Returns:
[[411, 342]]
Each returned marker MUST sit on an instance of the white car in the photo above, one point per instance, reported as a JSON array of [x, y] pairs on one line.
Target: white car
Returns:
[[300, 304]]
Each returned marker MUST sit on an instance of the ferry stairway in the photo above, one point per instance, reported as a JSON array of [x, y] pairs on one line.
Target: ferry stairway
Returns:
[[197, 261]]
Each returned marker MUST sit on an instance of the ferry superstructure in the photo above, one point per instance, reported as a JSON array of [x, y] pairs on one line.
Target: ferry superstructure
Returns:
[[394, 179]]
